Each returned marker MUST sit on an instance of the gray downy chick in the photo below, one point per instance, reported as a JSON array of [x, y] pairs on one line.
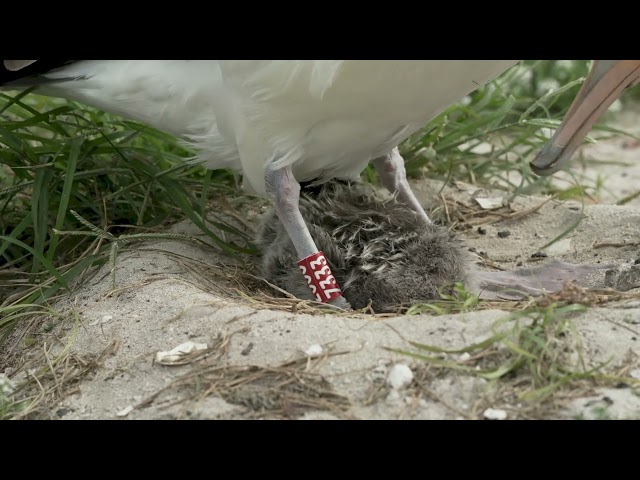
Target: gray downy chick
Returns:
[[373, 244], [382, 256]]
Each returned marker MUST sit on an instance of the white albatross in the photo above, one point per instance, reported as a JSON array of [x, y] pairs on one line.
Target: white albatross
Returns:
[[277, 122]]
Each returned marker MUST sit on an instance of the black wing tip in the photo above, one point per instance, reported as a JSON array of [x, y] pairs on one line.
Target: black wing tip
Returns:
[[39, 67]]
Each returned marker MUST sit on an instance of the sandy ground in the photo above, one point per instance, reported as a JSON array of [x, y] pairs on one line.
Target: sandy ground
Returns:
[[272, 362]]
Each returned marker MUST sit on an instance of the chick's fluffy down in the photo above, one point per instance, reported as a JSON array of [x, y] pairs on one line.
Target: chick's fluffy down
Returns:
[[377, 250]]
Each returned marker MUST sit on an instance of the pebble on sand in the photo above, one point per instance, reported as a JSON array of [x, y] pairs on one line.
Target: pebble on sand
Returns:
[[495, 414], [174, 357], [314, 350], [400, 376]]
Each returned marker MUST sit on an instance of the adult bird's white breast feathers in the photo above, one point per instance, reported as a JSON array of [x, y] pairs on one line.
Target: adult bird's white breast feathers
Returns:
[[330, 118]]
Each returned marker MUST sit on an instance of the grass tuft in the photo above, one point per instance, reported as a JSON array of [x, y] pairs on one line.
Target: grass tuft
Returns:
[[533, 357]]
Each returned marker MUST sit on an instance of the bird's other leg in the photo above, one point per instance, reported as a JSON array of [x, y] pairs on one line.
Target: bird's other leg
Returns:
[[284, 192], [393, 176]]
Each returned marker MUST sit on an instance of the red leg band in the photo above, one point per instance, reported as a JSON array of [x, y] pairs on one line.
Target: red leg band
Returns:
[[322, 283]]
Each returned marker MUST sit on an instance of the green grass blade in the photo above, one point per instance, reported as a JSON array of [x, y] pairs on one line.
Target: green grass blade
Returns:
[[74, 154], [40, 212], [53, 271]]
